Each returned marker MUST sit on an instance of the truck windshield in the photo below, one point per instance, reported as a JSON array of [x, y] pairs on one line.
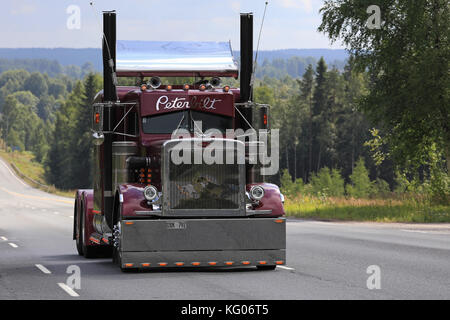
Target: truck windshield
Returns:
[[168, 122]]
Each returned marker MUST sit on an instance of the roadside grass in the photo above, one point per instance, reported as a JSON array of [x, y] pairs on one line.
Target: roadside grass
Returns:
[[24, 161], [377, 210]]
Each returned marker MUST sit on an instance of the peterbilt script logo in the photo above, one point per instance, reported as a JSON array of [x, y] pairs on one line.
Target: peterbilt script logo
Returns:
[[181, 103]]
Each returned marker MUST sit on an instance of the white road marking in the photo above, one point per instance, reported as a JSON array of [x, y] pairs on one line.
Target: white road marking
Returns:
[[4, 238], [13, 245], [416, 231], [425, 232], [286, 268], [13, 174], [43, 269], [68, 289]]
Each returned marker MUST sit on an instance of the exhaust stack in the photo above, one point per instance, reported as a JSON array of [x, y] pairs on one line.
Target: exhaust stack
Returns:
[[109, 95], [246, 56]]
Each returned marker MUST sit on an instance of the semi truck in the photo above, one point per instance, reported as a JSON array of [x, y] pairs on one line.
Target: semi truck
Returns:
[[146, 209]]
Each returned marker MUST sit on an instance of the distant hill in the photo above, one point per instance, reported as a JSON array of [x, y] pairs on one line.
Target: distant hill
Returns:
[[74, 62], [330, 55], [65, 56]]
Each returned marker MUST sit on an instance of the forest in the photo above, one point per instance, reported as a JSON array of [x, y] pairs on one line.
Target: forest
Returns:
[[374, 127]]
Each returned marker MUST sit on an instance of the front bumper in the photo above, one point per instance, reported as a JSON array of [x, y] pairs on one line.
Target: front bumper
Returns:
[[203, 242]]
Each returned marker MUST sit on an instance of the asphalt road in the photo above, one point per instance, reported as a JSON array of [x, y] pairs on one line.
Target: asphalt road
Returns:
[[324, 260]]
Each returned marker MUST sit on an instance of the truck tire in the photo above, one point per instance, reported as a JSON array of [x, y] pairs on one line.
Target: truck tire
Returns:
[[89, 252], [266, 267], [78, 232]]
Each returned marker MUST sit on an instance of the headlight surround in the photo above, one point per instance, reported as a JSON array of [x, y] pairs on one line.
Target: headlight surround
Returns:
[[150, 193], [257, 192]]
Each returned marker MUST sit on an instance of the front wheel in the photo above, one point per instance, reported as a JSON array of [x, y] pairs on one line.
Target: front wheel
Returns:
[[89, 252], [78, 232], [266, 267]]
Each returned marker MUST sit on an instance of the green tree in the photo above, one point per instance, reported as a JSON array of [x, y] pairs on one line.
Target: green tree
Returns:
[[327, 182], [60, 161], [319, 112], [36, 84], [407, 61], [307, 91], [361, 186], [82, 156]]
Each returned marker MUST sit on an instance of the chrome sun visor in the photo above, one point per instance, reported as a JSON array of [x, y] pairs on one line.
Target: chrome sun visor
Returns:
[[175, 58]]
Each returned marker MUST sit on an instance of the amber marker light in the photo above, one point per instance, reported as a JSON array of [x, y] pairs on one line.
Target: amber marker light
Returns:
[[179, 264], [143, 87], [129, 222], [162, 264], [186, 87], [229, 263], [202, 87], [279, 220], [226, 88], [195, 263], [129, 265], [262, 262], [97, 117], [245, 263], [169, 87], [145, 264], [279, 262], [212, 263]]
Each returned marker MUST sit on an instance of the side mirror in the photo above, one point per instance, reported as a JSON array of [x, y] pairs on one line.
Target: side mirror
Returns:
[[97, 124], [99, 138]]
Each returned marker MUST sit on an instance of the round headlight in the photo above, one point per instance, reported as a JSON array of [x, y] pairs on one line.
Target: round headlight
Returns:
[[150, 193], [257, 192]]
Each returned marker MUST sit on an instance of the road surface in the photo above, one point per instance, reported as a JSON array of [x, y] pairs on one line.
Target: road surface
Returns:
[[324, 260]]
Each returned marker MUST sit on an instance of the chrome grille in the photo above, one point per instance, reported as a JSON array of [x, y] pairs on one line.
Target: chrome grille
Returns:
[[201, 186], [202, 189]]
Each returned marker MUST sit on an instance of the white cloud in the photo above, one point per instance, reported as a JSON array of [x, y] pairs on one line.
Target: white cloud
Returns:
[[236, 6], [22, 9], [297, 4]]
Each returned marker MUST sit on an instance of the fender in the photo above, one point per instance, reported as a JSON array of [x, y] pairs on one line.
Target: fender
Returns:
[[131, 199], [76, 210], [270, 201], [85, 198]]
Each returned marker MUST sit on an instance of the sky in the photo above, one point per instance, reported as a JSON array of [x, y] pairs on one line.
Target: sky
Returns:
[[55, 23]]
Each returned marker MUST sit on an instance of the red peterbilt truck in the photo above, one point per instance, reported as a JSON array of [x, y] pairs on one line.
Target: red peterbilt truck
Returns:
[[148, 211]]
